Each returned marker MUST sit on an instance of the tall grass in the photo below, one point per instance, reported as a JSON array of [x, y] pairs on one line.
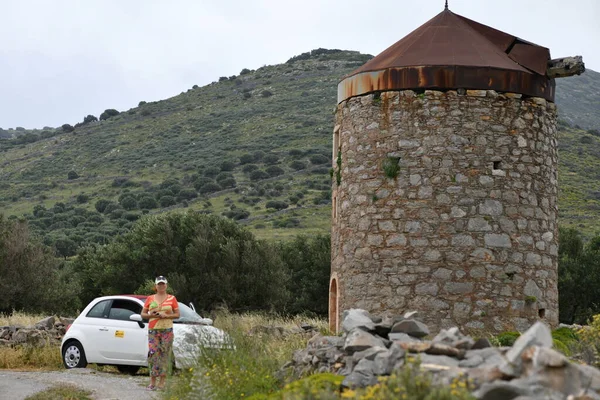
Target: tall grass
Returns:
[[47, 357], [20, 318], [250, 368], [28, 357]]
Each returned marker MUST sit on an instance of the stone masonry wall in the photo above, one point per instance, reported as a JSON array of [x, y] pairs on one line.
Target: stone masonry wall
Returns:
[[466, 232]]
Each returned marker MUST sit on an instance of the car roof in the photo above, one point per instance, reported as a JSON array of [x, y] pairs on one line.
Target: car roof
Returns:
[[121, 296], [137, 296]]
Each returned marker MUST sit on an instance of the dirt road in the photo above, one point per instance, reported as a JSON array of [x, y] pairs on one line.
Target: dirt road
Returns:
[[15, 385]]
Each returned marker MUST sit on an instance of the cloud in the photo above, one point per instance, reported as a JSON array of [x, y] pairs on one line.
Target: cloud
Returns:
[[64, 59]]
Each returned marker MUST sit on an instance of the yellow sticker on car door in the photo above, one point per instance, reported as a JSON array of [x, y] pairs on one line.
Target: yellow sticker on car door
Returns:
[[119, 333]]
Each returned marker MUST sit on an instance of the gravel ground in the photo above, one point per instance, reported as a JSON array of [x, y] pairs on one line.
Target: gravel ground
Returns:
[[16, 385]]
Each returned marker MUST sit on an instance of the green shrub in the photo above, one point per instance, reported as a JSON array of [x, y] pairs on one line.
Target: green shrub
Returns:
[[129, 203], [236, 214], [111, 112], [565, 335], [147, 202], [72, 175], [390, 167], [507, 338], [270, 159], [258, 175], [410, 382], [110, 207], [210, 187], [223, 175], [246, 159], [67, 128], [187, 194], [89, 118], [324, 383], [274, 170], [82, 198], [248, 168], [227, 166], [277, 204], [297, 165], [228, 183], [211, 172], [319, 159], [201, 181], [590, 341], [560, 346], [167, 201]]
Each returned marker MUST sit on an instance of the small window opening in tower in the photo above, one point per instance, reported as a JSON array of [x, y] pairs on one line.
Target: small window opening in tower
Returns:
[[542, 312], [336, 146], [333, 305], [497, 165], [334, 205]]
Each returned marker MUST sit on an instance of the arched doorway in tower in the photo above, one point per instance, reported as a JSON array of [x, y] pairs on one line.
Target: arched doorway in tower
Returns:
[[333, 304]]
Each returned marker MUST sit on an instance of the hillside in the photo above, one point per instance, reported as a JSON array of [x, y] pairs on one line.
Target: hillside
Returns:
[[254, 147], [578, 98]]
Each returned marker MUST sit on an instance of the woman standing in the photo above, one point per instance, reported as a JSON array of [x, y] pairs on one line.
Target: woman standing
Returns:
[[160, 309]]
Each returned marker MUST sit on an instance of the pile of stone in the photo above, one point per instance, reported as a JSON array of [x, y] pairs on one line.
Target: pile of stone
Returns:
[[371, 347], [48, 331]]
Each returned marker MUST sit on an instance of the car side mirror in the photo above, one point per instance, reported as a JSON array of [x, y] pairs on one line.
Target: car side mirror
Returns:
[[138, 319]]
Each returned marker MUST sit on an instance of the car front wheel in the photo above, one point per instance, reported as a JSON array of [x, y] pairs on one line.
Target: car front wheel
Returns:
[[73, 355]]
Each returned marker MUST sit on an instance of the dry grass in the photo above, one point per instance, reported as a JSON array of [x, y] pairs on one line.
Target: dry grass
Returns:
[[245, 322], [21, 319], [61, 392], [47, 357], [31, 358]]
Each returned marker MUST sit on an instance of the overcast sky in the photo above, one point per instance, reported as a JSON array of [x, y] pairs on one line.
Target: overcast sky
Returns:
[[61, 60]]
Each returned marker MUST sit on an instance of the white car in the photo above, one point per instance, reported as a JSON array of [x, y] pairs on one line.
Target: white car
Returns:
[[110, 330]]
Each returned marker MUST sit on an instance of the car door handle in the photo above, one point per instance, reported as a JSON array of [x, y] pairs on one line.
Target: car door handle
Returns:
[[103, 329]]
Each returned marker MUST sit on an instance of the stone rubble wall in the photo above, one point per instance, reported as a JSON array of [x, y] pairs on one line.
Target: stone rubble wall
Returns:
[[466, 233], [372, 346], [48, 331]]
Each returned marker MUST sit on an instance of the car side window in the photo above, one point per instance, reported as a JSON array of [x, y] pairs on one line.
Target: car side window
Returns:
[[122, 309], [98, 311]]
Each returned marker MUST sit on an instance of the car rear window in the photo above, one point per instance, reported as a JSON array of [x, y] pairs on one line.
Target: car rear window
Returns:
[[98, 310]]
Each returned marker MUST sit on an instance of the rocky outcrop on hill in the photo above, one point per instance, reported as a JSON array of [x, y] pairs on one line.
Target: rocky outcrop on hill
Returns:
[[48, 331], [371, 347]]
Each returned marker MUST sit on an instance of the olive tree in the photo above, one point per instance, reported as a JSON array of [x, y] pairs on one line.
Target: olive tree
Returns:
[[32, 278], [208, 259]]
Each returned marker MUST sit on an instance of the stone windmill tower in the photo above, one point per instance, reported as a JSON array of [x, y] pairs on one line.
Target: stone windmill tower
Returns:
[[445, 179]]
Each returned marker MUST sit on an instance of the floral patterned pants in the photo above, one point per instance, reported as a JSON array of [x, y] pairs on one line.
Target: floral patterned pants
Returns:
[[160, 343]]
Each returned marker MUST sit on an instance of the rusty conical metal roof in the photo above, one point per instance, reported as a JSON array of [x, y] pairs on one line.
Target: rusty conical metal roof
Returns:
[[451, 52]]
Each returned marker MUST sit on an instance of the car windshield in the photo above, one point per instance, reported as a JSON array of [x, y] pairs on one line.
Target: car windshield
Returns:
[[187, 315]]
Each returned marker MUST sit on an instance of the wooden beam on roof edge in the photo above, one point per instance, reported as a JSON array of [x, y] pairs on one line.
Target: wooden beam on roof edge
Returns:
[[566, 66]]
